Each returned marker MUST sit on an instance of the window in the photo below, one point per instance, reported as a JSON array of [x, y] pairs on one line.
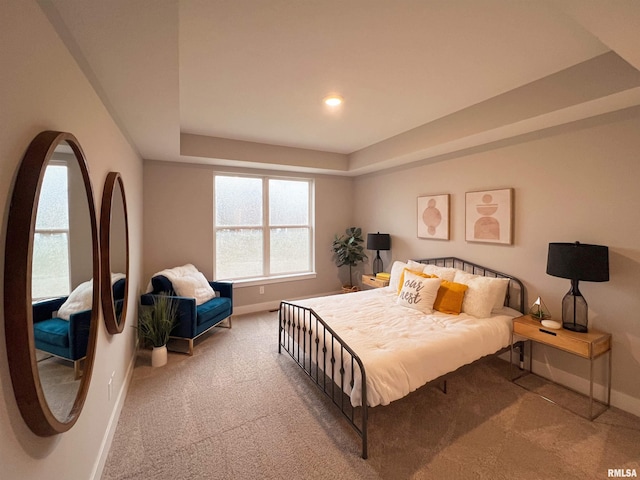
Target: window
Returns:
[[50, 275], [263, 227]]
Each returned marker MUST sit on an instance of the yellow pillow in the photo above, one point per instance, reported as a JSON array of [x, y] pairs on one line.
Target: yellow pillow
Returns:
[[420, 274], [450, 297]]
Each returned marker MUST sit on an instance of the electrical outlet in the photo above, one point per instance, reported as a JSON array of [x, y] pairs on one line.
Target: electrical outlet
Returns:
[[261, 289], [110, 385]]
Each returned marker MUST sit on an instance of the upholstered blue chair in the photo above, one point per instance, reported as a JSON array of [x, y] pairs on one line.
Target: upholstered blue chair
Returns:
[[119, 290], [194, 320], [67, 339]]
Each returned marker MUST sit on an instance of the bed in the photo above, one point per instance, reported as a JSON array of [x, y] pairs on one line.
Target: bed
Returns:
[[373, 347]]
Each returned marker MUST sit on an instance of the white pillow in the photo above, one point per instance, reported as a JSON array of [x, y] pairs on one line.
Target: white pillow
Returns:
[[79, 300], [415, 266], [445, 273], [501, 285], [396, 271], [195, 285], [484, 295], [418, 292], [498, 286]]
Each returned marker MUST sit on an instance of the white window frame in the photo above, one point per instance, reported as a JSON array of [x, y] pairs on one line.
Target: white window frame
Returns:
[[266, 227], [55, 231]]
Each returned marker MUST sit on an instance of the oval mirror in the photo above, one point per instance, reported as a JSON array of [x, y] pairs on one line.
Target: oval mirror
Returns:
[[51, 283], [114, 253]]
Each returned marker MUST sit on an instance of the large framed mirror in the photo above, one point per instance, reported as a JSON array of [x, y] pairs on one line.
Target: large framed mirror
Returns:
[[51, 283], [114, 253]]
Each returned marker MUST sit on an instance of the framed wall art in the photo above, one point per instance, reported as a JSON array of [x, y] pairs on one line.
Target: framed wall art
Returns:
[[489, 216], [433, 217]]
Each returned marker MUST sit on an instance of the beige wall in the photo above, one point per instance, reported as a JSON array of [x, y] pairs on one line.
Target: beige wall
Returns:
[[178, 228], [571, 183], [41, 88], [578, 182], [575, 182]]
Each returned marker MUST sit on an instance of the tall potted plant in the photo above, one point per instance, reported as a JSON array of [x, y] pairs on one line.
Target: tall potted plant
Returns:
[[348, 250], [155, 323]]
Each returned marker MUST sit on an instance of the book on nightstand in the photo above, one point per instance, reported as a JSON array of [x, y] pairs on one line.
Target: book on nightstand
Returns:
[[383, 276]]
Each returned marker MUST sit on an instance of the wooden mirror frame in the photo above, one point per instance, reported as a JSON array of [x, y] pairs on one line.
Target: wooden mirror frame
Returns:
[[18, 312], [106, 211]]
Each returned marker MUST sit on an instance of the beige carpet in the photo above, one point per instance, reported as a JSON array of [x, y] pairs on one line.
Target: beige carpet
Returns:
[[58, 383], [239, 410]]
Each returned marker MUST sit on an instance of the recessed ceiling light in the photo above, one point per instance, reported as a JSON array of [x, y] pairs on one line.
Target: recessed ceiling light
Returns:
[[333, 100]]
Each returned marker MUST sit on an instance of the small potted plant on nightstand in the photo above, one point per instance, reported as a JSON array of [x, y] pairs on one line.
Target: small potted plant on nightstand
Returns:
[[348, 250], [155, 323]]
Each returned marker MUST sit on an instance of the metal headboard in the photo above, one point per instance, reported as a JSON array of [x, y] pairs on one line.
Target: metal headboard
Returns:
[[515, 292]]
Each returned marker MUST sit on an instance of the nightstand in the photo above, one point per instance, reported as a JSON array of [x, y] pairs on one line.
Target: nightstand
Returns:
[[590, 346], [372, 281]]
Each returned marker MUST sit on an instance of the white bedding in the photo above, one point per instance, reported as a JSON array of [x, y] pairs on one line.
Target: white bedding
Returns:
[[402, 348]]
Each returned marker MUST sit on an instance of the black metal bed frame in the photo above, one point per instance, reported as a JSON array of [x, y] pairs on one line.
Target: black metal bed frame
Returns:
[[323, 359]]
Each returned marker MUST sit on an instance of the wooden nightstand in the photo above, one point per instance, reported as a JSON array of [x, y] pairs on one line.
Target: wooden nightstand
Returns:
[[372, 281], [590, 345]]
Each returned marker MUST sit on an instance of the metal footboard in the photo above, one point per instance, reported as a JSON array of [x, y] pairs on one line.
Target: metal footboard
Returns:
[[326, 359], [334, 367]]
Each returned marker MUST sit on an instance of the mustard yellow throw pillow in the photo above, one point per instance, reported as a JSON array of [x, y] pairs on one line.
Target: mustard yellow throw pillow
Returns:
[[450, 297]]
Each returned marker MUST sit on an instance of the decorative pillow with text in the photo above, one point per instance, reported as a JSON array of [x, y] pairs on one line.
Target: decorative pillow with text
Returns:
[[418, 292], [415, 272]]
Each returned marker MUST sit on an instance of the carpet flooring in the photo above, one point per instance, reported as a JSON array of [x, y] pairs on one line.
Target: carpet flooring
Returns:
[[237, 409]]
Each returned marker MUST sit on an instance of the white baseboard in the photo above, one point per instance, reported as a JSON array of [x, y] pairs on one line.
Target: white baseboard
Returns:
[[113, 420]]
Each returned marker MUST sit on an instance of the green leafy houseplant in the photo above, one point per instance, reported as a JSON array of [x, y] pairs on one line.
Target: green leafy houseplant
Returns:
[[156, 321], [348, 250]]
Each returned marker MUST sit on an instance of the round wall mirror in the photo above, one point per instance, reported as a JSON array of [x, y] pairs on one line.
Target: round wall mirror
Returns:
[[114, 253], [51, 283]]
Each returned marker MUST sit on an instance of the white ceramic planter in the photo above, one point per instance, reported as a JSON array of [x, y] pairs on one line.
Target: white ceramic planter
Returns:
[[159, 356]]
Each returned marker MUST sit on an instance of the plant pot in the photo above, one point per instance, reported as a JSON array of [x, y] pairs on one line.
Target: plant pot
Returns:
[[349, 289], [159, 356]]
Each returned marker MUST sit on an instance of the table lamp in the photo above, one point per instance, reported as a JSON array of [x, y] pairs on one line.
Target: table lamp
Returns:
[[378, 241], [577, 261]]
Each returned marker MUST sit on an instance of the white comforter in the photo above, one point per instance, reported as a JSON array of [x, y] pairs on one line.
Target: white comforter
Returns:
[[401, 348]]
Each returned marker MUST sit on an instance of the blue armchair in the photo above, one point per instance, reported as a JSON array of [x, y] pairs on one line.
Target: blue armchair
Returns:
[[194, 320], [66, 339]]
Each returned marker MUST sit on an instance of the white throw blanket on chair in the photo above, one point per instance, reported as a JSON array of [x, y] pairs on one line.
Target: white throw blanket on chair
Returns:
[[188, 281], [81, 298]]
